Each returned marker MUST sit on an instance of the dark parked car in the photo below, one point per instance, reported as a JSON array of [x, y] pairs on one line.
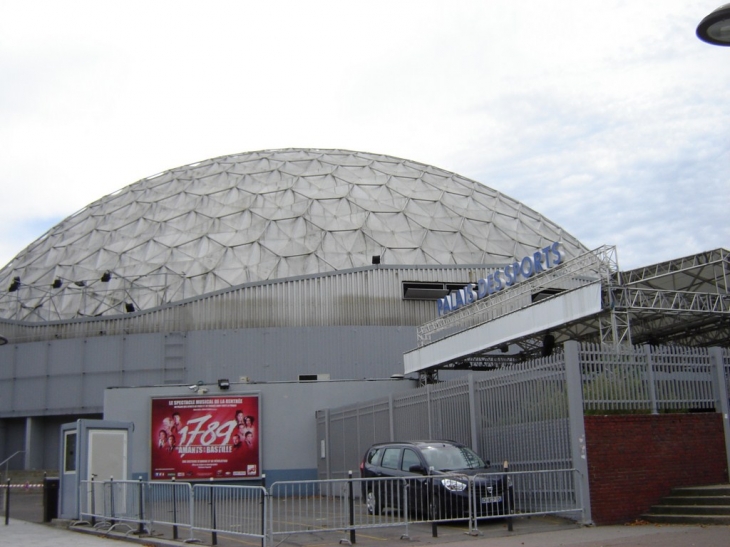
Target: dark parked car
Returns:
[[439, 476]]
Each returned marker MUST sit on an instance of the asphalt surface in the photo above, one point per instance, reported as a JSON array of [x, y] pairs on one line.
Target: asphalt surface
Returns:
[[537, 533], [24, 529]]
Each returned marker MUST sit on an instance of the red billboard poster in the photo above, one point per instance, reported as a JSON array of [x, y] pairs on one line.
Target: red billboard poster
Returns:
[[203, 438]]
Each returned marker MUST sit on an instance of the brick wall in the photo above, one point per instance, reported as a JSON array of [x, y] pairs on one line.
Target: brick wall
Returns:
[[635, 460]]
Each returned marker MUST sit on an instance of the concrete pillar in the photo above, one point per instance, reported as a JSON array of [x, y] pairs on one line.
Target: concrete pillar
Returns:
[[34, 444]]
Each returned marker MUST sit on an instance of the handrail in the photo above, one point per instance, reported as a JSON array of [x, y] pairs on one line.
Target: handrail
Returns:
[[6, 460]]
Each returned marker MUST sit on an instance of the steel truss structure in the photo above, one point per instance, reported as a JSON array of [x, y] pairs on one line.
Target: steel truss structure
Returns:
[[685, 302]]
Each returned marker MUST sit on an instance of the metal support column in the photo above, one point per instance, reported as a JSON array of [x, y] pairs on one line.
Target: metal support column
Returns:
[[574, 388], [720, 389]]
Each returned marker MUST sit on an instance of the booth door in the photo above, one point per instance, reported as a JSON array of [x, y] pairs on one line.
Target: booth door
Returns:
[[107, 459]]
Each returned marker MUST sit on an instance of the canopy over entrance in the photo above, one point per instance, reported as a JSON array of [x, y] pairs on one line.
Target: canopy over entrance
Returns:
[[683, 301]]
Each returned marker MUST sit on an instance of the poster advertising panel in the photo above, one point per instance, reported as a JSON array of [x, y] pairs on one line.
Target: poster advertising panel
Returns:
[[204, 438]]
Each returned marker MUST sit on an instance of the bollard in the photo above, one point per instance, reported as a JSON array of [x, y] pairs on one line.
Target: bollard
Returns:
[[93, 502], [351, 502], [140, 526], [506, 498], [433, 499], [174, 509], [7, 502], [111, 500], [264, 506], [214, 534]]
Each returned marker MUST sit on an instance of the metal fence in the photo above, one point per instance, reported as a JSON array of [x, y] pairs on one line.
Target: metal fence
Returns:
[[341, 506], [137, 506], [531, 414], [518, 414], [650, 379]]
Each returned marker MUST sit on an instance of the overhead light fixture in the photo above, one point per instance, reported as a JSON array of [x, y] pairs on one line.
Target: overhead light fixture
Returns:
[[80, 283], [376, 259], [198, 387], [57, 283], [129, 307], [223, 383], [15, 285], [715, 28], [106, 277]]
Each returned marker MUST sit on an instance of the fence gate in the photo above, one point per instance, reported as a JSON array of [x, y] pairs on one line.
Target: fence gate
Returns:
[[519, 415]]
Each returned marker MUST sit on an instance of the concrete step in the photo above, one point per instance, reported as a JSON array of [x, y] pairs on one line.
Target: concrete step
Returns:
[[696, 500], [693, 505], [701, 491], [702, 510], [687, 519]]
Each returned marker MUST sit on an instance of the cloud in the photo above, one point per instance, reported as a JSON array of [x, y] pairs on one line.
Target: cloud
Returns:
[[608, 117]]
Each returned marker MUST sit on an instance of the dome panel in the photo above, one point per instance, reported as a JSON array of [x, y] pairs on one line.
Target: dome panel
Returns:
[[377, 199], [280, 205], [262, 215], [349, 249], [292, 237], [433, 215], [394, 231], [361, 175], [320, 187], [333, 215]]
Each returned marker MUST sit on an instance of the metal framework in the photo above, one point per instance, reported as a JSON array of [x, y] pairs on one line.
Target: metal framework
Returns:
[[599, 264], [685, 301]]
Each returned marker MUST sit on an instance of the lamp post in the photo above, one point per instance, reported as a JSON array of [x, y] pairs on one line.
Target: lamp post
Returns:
[[715, 28]]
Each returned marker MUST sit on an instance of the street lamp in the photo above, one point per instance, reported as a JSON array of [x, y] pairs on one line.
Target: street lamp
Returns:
[[715, 28]]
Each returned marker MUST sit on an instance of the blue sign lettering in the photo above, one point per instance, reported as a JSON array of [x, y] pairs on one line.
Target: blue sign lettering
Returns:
[[539, 262]]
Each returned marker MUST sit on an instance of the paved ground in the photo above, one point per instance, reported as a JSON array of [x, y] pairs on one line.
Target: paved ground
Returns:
[[540, 533], [24, 529]]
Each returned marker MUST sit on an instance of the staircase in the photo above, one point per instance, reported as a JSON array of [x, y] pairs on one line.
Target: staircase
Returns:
[[693, 505]]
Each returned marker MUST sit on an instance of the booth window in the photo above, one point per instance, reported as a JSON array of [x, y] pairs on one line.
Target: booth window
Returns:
[[69, 452]]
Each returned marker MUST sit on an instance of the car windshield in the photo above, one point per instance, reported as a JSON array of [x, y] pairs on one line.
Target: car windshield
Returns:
[[447, 457]]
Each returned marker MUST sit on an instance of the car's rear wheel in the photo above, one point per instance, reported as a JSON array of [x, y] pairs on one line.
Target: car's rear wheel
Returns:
[[373, 502]]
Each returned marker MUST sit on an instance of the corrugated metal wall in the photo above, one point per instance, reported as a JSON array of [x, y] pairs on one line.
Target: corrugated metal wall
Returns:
[[69, 376], [362, 296], [283, 354]]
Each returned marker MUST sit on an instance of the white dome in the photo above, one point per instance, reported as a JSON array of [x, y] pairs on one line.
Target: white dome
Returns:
[[259, 216]]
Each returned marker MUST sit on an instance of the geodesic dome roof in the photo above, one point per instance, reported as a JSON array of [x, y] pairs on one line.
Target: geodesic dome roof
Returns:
[[260, 216]]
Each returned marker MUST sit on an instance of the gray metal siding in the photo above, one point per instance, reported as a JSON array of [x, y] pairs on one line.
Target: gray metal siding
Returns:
[[69, 376], [283, 354], [359, 297]]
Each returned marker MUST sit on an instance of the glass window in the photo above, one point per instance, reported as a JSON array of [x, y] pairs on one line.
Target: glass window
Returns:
[[446, 457], [69, 452], [409, 458], [374, 456], [391, 457]]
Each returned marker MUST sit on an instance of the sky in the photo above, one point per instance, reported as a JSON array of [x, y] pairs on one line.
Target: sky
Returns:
[[611, 118]]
